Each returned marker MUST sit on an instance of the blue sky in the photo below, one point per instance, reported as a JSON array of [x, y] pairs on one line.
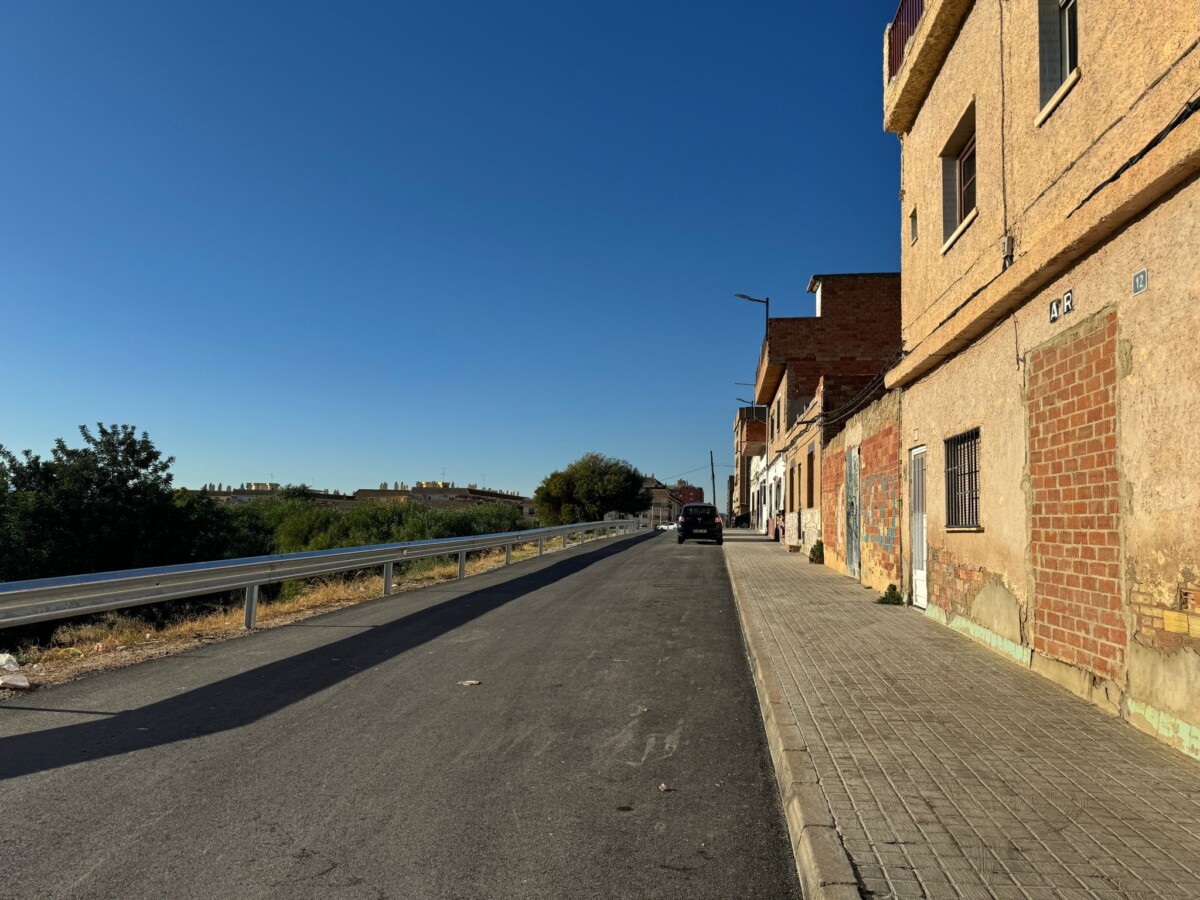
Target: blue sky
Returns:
[[356, 242]]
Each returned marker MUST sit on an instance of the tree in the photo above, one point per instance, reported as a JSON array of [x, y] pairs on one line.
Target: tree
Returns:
[[105, 505], [589, 488]]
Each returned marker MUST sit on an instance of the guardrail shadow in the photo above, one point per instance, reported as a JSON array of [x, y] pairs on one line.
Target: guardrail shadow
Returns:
[[242, 699]]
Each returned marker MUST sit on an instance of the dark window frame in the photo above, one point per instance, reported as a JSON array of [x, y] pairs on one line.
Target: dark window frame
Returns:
[[960, 171], [1068, 36], [967, 182], [811, 473], [962, 480], [1058, 46]]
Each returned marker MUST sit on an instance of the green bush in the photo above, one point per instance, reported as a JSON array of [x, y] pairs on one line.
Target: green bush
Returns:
[[817, 553], [891, 597]]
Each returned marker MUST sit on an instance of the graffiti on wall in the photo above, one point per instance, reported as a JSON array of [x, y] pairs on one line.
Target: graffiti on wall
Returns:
[[879, 499]]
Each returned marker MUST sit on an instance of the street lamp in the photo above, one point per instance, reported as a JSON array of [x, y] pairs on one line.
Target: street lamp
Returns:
[[766, 302]]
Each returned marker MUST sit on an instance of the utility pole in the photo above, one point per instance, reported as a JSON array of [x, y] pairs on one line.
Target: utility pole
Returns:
[[713, 469]]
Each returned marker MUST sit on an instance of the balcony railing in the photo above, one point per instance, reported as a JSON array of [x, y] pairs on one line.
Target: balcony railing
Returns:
[[904, 26]]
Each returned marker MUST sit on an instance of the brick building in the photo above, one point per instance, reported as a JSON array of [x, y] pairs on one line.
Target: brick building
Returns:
[[850, 342], [1050, 219]]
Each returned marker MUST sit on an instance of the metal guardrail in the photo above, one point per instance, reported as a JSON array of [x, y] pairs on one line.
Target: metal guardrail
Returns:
[[44, 599]]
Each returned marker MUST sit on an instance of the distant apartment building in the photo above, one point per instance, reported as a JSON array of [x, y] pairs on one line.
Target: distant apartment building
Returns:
[[667, 501], [399, 492], [249, 491], [430, 493], [852, 339], [441, 493], [1050, 220]]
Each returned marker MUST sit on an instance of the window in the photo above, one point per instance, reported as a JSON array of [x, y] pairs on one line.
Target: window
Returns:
[[966, 180], [912, 226], [1058, 44], [962, 480], [1068, 36], [808, 487], [958, 178]]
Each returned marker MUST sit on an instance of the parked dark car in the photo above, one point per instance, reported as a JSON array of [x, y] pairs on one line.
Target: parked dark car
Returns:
[[700, 520]]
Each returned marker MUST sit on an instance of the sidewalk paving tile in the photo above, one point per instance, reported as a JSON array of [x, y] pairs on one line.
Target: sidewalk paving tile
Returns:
[[952, 772]]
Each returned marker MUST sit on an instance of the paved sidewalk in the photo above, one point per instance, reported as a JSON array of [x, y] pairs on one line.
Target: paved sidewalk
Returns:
[[949, 771]]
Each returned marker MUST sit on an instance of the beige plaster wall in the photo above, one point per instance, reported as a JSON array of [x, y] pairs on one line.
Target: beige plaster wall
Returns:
[[1159, 403], [981, 388], [1030, 176], [1158, 433]]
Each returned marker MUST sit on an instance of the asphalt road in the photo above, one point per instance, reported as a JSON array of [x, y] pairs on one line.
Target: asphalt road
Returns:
[[340, 757]]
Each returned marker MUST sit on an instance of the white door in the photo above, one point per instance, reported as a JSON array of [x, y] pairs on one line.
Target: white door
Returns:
[[916, 489]]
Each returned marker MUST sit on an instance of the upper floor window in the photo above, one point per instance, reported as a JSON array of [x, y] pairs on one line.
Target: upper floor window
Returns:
[[966, 180], [1058, 44], [958, 177]]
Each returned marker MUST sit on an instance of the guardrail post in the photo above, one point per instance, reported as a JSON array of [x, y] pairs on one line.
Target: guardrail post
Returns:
[[541, 546], [508, 554], [387, 578], [564, 540], [462, 564], [251, 606]]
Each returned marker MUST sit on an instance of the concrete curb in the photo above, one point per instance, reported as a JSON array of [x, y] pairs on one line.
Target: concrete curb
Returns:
[[821, 860]]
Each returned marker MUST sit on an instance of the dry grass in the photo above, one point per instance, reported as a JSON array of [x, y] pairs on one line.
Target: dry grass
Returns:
[[119, 639]]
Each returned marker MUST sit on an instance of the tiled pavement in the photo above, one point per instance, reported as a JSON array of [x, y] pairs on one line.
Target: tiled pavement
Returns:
[[951, 772]]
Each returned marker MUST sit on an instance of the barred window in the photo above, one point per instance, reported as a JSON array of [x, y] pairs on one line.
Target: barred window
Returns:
[[962, 480]]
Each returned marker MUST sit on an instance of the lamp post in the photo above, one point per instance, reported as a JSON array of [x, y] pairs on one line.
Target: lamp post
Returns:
[[766, 302]]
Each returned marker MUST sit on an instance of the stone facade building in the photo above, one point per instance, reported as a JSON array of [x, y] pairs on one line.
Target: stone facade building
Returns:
[[1050, 175]]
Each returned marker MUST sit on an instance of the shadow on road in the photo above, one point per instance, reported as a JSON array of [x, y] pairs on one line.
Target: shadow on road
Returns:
[[248, 696]]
